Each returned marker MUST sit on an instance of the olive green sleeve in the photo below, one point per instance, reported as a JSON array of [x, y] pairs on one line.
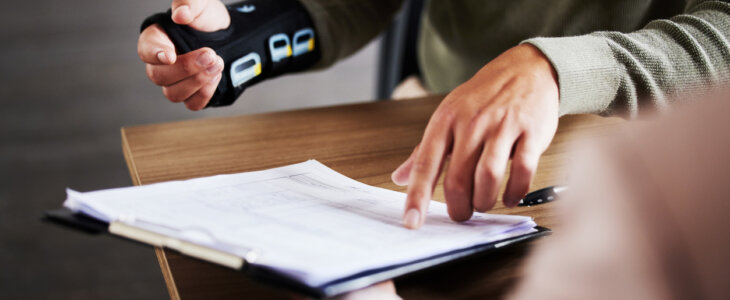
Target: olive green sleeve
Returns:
[[343, 26], [626, 73]]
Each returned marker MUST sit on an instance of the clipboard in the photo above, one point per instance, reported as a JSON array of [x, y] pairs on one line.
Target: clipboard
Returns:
[[79, 222]]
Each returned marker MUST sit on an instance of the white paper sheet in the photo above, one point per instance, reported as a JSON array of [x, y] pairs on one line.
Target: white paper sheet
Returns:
[[304, 219]]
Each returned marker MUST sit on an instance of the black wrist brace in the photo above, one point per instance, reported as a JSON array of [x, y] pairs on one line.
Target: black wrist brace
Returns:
[[266, 38]]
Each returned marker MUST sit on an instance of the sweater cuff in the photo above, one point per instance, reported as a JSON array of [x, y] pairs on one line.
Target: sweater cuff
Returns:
[[587, 72]]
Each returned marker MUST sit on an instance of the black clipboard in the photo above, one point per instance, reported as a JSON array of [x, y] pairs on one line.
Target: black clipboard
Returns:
[[83, 223]]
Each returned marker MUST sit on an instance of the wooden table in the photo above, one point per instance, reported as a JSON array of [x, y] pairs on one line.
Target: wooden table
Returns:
[[363, 141]]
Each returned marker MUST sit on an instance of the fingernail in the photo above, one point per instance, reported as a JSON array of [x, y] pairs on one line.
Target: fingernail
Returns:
[[205, 59], [162, 57], [394, 178], [212, 69], [215, 68], [412, 218]]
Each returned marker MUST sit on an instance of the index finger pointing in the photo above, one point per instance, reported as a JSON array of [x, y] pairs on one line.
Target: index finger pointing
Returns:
[[424, 173]]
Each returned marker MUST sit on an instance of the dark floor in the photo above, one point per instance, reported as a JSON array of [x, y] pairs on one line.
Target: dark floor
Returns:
[[70, 78]]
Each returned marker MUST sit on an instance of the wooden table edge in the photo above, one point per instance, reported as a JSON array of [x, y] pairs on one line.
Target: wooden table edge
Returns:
[[159, 252], [162, 258], [129, 159]]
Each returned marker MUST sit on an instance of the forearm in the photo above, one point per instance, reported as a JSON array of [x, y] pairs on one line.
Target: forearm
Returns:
[[264, 39], [623, 73]]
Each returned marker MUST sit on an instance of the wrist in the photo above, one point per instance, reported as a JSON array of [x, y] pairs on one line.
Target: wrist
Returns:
[[586, 68], [538, 66], [541, 64]]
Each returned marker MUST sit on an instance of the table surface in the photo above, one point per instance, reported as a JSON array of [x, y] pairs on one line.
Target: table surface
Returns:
[[362, 141]]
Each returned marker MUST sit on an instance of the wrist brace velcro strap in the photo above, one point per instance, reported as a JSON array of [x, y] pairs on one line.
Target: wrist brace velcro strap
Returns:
[[266, 38]]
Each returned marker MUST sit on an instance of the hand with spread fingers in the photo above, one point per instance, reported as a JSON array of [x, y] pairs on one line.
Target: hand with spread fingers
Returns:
[[191, 78], [507, 110]]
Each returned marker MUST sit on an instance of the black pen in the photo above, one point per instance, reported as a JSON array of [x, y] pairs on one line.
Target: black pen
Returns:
[[541, 196]]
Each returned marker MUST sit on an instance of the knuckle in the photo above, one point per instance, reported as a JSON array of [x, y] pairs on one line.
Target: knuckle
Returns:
[[421, 165], [488, 173], [457, 189], [527, 158], [202, 78], [498, 114], [192, 104], [475, 122], [479, 122], [458, 184], [445, 113], [205, 95], [488, 118], [517, 117], [511, 116], [189, 66], [171, 95], [154, 75]]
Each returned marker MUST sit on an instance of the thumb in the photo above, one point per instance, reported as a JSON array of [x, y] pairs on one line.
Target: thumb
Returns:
[[202, 15], [155, 47]]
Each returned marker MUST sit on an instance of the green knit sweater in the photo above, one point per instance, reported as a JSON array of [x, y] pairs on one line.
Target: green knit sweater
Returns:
[[611, 56]]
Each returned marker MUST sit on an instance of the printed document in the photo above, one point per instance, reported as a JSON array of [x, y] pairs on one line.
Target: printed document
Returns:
[[304, 220]]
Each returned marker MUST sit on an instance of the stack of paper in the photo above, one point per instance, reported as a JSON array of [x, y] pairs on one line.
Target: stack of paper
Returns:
[[303, 220]]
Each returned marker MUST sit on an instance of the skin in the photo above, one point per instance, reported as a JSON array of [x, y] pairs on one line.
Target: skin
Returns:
[[508, 110], [193, 77]]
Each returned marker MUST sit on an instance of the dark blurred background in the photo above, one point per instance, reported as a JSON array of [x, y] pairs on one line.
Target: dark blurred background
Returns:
[[70, 79]]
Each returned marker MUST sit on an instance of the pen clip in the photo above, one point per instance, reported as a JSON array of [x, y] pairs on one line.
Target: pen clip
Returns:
[[541, 196]]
